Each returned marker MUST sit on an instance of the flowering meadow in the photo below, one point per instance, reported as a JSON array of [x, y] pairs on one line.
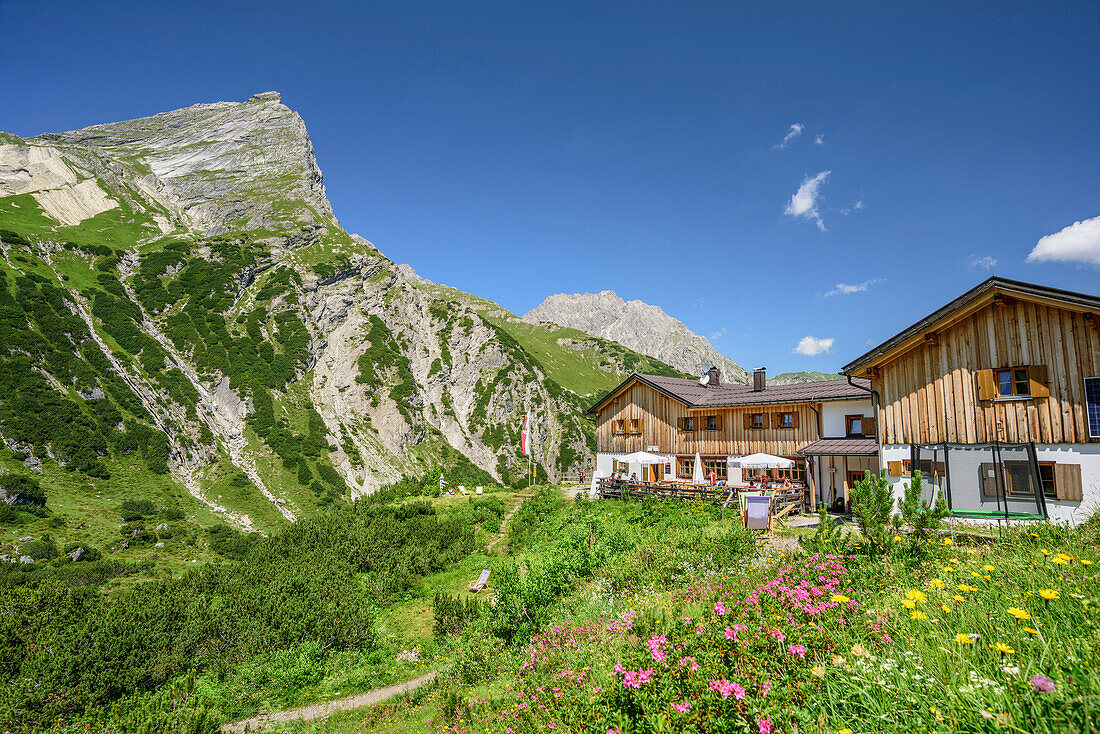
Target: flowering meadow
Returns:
[[992, 631]]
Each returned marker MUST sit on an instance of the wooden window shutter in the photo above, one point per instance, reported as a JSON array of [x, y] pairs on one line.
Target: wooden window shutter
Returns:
[[794, 419], [683, 423], [748, 421], [869, 427], [895, 468], [718, 423], [990, 486], [775, 420], [637, 425], [1039, 381], [1067, 482], [987, 388]]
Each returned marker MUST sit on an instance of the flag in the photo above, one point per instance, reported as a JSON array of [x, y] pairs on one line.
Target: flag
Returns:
[[526, 434]]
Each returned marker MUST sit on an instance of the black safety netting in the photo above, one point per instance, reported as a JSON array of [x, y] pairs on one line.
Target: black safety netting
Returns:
[[989, 480]]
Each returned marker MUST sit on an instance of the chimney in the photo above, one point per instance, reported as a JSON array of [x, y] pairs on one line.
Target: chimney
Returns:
[[712, 377], [759, 379]]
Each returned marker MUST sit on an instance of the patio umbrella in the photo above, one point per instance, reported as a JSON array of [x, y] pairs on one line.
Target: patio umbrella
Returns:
[[697, 472], [761, 461], [643, 457]]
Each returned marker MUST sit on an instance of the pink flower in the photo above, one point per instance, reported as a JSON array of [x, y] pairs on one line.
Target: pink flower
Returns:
[[799, 650], [683, 708], [731, 634], [764, 725], [1042, 684], [719, 608], [765, 688], [778, 635]]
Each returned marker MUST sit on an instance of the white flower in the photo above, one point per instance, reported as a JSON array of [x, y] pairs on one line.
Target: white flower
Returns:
[[1011, 670]]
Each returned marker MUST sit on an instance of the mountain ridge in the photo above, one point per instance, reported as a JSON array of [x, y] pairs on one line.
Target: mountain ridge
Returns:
[[640, 326]]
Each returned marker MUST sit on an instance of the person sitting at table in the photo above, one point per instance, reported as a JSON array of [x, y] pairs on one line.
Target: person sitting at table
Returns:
[[752, 482], [634, 478], [786, 482]]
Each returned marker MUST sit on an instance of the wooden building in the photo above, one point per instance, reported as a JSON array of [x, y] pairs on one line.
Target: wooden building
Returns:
[[1005, 363], [679, 418]]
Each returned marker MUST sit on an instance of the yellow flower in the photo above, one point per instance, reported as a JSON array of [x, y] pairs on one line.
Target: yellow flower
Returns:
[[918, 615], [936, 584], [949, 569], [1086, 562], [1044, 551], [818, 670], [897, 538], [845, 730], [971, 551], [946, 609], [916, 595], [987, 567], [1065, 557], [1031, 630], [860, 651], [947, 541], [987, 577], [1002, 648], [908, 603], [963, 639], [1048, 594], [840, 598], [975, 574], [958, 598], [1034, 535], [1059, 560], [1018, 613]]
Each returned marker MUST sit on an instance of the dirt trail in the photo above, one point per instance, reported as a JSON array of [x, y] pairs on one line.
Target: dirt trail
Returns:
[[504, 522], [321, 710]]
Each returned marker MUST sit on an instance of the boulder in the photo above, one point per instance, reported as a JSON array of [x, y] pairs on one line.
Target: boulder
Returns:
[[26, 559], [160, 544], [76, 554], [27, 539]]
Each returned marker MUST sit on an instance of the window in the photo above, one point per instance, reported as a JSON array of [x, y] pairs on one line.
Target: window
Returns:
[[797, 473], [1092, 405], [1012, 382], [635, 426], [1046, 478], [687, 425], [685, 466], [713, 422], [619, 427], [786, 420], [755, 421], [718, 466], [853, 425], [620, 466]]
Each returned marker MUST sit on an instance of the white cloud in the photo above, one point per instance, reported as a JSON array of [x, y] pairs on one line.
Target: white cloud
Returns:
[[811, 345], [793, 134], [853, 208], [718, 334], [987, 262], [819, 139], [804, 201], [1077, 243], [847, 289]]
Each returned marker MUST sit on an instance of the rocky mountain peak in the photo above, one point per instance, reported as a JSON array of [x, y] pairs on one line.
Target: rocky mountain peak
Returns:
[[222, 166], [640, 326]]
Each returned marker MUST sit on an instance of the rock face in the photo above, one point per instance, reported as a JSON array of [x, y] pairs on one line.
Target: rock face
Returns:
[[645, 328]]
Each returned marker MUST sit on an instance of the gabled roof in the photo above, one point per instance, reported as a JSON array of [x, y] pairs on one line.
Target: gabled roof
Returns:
[[975, 298], [693, 395]]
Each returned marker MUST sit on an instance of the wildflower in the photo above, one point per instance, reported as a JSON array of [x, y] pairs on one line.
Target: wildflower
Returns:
[[949, 569], [845, 730], [799, 650], [719, 608], [897, 538], [1010, 670], [975, 574], [1048, 594], [1059, 560], [1031, 630], [1042, 684], [956, 597], [916, 595], [1086, 562], [1018, 613], [860, 651], [818, 670], [936, 583], [946, 609], [1044, 551], [683, 708], [987, 567], [1065, 557], [963, 639], [764, 725], [766, 687], [908, 603], [840, 598], [1002, 648], [838, 660], [918, 615], [948, 541]]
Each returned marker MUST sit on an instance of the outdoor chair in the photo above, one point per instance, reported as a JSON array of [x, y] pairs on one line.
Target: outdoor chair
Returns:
[[481, 583]]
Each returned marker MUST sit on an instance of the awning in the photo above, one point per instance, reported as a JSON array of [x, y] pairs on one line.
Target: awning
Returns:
[[842, 447]]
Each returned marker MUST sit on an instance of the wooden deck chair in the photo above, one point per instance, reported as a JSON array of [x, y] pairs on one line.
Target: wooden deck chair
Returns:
[[481, 583], [758, 512], [480, 490]]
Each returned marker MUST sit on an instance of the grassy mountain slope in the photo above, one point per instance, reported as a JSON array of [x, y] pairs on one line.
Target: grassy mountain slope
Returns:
[[187, 324]]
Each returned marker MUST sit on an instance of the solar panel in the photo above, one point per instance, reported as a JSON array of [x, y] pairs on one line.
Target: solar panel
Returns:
[[1092, 405]]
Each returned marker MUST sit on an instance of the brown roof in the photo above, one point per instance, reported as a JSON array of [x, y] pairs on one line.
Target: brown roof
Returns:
[[692, 394], [841, 447], [1003, 285]]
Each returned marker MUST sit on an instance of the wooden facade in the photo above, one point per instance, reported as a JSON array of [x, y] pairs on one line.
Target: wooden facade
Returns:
[[938, 385], [639, 417]]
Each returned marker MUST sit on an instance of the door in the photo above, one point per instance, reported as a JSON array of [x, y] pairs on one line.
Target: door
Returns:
[[853, 477], [656, 472]]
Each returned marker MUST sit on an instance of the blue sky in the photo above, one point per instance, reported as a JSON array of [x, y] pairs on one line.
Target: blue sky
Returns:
[[517, 149]]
